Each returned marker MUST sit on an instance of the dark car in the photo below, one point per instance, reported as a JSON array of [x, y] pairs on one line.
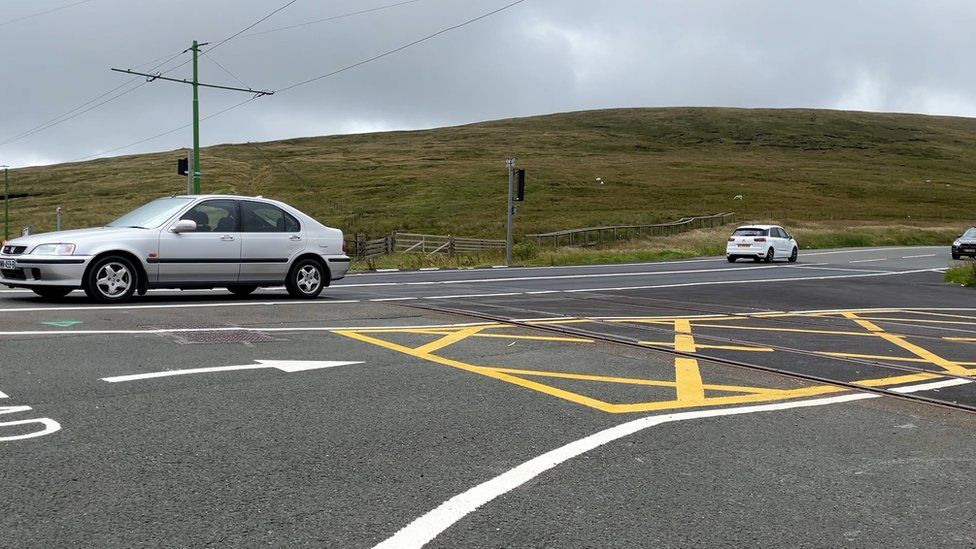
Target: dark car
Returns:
[[965, 244]]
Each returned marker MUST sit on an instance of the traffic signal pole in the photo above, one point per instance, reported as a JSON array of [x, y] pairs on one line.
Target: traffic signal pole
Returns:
[[511, 210], [196, 121], [6, 204]]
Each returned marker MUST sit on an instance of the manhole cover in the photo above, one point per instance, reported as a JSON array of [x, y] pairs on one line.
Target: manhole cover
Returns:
[[221, 336], [186, 334]]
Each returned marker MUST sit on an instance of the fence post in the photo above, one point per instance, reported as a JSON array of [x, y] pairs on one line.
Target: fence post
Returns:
[[450, 245]]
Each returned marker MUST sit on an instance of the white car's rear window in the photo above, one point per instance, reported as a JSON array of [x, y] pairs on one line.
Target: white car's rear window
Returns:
[[750, 231]]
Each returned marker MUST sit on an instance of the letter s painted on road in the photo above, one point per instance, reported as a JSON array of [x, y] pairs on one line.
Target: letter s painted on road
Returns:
[[49, 425]]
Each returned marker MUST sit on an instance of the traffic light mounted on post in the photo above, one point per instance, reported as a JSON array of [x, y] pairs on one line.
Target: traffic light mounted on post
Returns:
[[182, 166], [520, 178]]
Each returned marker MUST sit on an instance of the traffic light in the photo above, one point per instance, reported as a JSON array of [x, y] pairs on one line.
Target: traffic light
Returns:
[[520, 189], [183, 166]]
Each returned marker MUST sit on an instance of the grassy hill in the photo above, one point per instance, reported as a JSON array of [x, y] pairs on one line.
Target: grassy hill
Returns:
[[657, 164]]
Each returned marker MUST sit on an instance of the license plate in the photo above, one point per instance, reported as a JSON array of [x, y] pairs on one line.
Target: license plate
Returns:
[[744, 245], [8, 264]]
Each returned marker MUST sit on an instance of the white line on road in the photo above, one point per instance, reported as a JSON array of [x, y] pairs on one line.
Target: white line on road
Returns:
[[472, 295], [572, 276], [915, 256], [751, 281], [424, 529], [869, 260], [460, 296], [178, 306], [862, 250], [289, 366], [840, 269]]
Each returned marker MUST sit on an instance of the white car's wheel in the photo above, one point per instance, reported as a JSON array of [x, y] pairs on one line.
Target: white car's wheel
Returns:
[[307, 279], [111, 279], [794, 255]]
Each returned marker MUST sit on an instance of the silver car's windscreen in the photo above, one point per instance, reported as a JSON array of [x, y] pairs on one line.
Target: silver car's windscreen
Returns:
[[971, 233], [153, 214]]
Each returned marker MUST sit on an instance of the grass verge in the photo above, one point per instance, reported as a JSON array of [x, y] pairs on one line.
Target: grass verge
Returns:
[[697, 243], [964, 275]]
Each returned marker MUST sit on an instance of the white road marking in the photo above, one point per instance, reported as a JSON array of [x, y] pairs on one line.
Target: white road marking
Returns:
[[3, 395], [395, 299], [869, 260], [915, 256], [472, 295], [459, 296], [861, 250], [178, 306], [159, 331], [289, 366], [753, 281], [931, 386], [424, 529], [572, 276], [839, 269]]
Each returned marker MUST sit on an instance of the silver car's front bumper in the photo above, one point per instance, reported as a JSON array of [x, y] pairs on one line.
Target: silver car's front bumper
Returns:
[[42, 270]]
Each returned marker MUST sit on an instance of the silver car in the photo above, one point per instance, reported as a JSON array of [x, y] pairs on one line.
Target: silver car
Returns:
[[236, 242]]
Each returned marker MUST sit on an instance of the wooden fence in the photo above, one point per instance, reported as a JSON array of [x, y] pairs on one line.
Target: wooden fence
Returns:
[[397, 242], [590, 236]]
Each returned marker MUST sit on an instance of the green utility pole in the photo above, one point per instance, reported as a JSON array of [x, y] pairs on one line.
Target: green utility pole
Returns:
[[196, 122], [195, 48], [6, 204]]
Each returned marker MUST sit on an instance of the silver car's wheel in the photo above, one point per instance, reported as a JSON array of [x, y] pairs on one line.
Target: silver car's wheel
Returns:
[[111, 280], [306, 279]]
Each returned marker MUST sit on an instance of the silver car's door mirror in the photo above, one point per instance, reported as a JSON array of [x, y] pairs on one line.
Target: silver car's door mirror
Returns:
[[184, 226]]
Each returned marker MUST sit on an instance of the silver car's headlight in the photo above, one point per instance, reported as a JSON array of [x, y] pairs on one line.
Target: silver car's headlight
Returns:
[[956, 243], [54, 249]]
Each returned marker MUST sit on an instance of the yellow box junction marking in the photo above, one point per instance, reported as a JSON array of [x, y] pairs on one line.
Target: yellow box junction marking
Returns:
[[901, 341], [688, 385]]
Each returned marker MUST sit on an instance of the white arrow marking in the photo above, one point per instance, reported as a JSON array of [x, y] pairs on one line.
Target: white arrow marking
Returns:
[[289, 366]]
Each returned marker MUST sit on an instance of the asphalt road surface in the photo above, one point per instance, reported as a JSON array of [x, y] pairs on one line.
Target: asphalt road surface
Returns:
[[404, 410]]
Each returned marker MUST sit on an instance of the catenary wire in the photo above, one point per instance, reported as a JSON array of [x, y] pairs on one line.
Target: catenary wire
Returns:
[[45, 12], [331, 18], [349, 67], [401, 48]]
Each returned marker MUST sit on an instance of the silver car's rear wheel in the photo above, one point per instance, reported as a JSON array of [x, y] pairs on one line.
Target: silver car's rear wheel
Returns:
[[111, 280], [306, 279]]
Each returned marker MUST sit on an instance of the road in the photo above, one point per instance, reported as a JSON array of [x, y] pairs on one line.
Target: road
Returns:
[[365, 417]]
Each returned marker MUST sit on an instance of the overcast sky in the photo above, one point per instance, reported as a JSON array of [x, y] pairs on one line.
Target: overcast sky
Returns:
[[541, 56]]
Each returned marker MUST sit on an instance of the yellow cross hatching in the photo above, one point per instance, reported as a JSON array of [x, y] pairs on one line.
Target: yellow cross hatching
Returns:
[[689, 388]]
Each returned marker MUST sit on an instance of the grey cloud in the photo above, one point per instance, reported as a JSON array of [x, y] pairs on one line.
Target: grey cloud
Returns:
[[541, 56]]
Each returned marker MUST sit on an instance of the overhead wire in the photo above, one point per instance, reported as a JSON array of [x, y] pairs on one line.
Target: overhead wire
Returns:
[[223, 68], [401, 48], [331, 18], [77, 111], [45, 12], [314, 79]]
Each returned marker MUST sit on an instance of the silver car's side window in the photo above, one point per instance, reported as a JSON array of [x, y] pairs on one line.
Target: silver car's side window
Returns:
[[266, 218], [214, 216]]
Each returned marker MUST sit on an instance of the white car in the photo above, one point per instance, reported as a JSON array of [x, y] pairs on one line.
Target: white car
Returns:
[[761, 242], [237, 242]]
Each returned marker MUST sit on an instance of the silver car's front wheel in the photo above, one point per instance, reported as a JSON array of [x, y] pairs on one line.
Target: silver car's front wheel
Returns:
[[306, 279], [111, 280]]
